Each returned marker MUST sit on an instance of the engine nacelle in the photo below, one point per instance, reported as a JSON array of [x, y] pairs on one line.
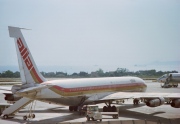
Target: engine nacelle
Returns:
[[155, 102], [176, 103], [11, 97]]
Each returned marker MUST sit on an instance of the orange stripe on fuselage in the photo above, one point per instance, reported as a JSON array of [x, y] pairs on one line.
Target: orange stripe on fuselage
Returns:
[[95, 89]]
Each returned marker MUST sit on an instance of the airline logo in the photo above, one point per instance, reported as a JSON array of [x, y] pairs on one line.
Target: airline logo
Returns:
[[25, 56]]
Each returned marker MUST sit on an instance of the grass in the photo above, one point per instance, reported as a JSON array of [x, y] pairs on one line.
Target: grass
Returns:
[[10, 80]]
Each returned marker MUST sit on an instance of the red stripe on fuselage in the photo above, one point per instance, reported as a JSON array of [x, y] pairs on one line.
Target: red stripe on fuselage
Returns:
[[102, 87]]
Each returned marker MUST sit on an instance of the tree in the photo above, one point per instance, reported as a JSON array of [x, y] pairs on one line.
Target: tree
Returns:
[[61, 74], [43, 73], [100, 72], [7, 73], [16, 74], [83, 74], [121, 71]]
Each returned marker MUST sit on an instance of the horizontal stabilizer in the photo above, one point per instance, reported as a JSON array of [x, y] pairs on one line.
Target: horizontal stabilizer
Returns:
[[5, 90], [32, 89]]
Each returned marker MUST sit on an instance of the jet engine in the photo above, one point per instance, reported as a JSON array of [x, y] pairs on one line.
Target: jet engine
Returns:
[[155, 102], [176, 103], [11, 97]]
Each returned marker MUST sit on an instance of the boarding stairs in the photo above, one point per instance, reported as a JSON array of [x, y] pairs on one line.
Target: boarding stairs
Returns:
[[16, 107]]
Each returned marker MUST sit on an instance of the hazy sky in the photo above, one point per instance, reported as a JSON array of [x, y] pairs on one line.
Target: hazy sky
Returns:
[[93, 33]]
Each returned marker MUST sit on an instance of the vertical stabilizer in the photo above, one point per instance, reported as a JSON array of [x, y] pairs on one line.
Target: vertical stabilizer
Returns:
[[28, 70]]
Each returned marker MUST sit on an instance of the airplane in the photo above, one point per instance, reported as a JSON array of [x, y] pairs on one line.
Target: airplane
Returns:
[[74, 92], [169, 80]]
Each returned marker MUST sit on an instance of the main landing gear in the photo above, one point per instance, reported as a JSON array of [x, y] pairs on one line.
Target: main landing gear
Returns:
[[136, 101], [109, 108], [73, 108]]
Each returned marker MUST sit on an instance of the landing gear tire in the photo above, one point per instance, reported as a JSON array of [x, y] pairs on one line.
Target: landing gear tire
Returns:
[[24, 117], [136, 101], [114, 109], [109, 109], [105, 109], [88, 118], [33, 116], [5, 116], [100, 120], [73, 108], [70, 108], [92, 119]]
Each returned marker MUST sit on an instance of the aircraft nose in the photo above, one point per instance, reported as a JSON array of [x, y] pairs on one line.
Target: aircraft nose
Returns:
[[145, 86], [159, 80], [144, 83]]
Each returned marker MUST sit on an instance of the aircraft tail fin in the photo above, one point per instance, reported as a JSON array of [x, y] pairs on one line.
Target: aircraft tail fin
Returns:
[[28, 70]]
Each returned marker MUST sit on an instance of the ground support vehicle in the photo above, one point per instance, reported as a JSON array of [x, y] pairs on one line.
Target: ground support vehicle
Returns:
[[93, 113]]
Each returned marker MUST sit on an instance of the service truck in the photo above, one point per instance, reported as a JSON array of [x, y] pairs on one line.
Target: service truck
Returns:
[[94, 114]]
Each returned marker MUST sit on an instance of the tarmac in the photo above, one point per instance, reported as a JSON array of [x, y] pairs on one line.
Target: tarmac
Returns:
[[128, 113]]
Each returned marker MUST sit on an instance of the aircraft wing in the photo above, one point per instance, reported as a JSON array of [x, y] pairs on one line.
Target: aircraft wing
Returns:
[[5, 90], [138, 95], [141, 95]]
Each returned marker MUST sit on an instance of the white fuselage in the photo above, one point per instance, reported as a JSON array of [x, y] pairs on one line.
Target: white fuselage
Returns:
[[73, 92]]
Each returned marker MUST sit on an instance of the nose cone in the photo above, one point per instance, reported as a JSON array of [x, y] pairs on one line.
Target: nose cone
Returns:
[[144, 86], [161, 80]]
